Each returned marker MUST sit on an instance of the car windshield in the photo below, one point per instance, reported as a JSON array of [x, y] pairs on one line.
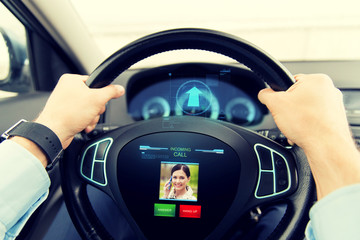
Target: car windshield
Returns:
[[289, 30]]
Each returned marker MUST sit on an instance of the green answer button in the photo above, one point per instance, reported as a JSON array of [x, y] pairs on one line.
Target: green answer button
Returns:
[[164, 210]]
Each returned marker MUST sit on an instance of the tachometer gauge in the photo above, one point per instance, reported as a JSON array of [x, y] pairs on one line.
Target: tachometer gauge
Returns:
[[240, 110], [155, 107]]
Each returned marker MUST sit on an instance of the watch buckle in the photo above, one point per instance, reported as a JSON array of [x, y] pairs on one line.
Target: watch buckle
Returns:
[[6, 134]]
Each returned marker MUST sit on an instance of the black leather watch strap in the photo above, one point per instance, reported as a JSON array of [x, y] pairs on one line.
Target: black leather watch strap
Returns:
[[41, 135]]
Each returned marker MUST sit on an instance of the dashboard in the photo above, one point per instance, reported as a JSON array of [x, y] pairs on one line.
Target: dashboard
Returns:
[[221, 92]]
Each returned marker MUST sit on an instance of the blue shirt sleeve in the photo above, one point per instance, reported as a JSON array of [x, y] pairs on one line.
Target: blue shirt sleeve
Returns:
[[336, 216], [24, 185]]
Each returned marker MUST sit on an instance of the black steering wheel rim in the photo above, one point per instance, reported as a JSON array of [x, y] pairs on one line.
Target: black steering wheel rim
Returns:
[[267, 68]]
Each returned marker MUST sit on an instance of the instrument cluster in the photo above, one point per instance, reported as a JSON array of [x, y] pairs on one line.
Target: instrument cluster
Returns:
[[222, 92]]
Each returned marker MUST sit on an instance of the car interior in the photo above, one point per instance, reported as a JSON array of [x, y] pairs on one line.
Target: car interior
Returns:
[[191, 99]]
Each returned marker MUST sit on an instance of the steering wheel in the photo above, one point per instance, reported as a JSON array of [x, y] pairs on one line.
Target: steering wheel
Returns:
[[245, 169]]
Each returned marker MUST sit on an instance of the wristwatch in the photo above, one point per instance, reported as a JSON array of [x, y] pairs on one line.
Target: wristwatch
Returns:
[[41, 135]]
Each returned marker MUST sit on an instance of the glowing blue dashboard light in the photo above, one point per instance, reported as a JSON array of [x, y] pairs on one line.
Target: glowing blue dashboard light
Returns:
[[217, 151], [144, 148]]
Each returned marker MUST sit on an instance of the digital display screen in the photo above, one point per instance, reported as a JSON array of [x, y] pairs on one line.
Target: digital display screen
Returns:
[[179, 181], [168, 179]]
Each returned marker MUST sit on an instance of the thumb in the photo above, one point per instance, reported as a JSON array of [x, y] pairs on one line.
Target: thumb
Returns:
[[273, 100], [112, 91], [266, 95]]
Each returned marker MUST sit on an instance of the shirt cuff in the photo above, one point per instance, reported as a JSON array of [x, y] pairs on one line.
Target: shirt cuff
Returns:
[[336, 216], [24, 183], [14, 231]]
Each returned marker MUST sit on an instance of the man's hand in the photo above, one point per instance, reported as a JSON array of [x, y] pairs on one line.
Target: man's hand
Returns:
[[311, 114], [73, 107], [310, 111]]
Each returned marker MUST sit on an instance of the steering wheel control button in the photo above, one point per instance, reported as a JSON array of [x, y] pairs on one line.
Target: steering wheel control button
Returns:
[[266, 186], [93, 162], [274, 176], [281, 173], [99, 174], [102, 147], [87, 162], [164, 210], [264, 155], [190, 211]]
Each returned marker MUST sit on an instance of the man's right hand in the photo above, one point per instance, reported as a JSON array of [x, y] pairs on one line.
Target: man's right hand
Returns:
[[311, 114]]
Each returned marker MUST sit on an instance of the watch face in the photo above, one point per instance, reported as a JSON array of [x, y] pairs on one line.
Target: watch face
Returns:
[[178, 179]]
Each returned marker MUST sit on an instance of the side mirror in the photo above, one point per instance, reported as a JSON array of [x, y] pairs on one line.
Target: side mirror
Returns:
[[14, 64]]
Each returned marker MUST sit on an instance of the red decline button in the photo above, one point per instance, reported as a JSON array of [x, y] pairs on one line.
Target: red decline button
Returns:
[[190, 211]]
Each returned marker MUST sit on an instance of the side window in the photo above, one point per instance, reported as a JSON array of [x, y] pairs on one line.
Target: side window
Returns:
[[15, 74]]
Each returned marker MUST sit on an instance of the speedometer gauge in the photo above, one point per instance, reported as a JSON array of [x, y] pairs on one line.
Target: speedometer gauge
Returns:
[[240, 110], [155, 107]]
